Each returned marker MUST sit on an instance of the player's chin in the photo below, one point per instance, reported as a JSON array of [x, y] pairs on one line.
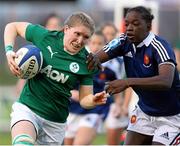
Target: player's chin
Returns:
[[75, 50], [134, 41], [131, 39]]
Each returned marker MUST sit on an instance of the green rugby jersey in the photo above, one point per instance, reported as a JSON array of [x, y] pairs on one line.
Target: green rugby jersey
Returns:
[[48, 93]]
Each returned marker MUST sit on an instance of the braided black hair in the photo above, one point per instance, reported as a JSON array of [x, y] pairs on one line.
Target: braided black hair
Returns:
[[144, 12]]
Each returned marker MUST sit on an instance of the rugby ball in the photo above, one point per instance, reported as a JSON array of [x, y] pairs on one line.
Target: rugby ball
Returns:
[[29, 59]]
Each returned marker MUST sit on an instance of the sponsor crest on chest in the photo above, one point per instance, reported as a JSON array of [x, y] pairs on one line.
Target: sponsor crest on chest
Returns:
[[74, 67]]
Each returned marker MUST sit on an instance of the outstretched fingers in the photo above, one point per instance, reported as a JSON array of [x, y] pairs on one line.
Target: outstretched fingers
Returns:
[[100, 98]]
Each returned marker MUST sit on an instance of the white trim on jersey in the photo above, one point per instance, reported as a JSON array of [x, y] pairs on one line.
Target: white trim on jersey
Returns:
[[157, 51], [161, 50], [106, 48], [167, 63], [165, 51], [147, 40]]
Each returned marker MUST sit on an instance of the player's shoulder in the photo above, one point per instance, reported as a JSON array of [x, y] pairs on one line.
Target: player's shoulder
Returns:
[[160, 40], [161, 45], [39, 27], [56, 33], [36, 26]]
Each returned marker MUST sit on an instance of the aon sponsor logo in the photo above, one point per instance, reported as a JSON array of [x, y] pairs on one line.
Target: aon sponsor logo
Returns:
[[54, 74]]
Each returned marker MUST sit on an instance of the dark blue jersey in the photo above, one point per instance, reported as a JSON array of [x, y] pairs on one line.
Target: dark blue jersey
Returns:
[[142, 61], [99, 80]]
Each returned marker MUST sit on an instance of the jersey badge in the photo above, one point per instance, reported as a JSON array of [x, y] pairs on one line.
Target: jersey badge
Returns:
[[133, 119], [74, 67], [102, 76], [146, 61]]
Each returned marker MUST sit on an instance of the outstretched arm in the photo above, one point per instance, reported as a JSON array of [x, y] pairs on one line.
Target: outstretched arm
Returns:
[[162, 81], [88, 100]]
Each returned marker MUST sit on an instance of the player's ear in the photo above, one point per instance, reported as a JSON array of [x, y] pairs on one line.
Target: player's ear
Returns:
[[66, 27]]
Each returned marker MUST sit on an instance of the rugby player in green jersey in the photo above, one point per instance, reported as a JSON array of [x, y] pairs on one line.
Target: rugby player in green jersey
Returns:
[[39, 115]]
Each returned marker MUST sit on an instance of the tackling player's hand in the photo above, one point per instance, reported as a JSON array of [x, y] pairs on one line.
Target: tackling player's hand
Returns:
[[93, 62], [100, 98], [11, 55], [116, 86]]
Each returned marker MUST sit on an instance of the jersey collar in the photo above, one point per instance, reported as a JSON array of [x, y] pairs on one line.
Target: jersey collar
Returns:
[[147, 40]]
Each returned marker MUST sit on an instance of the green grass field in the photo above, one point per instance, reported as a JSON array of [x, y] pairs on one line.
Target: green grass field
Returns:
[[100, 140], [5, 139]]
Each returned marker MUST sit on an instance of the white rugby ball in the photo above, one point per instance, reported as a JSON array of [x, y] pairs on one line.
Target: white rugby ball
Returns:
[[29, 60]]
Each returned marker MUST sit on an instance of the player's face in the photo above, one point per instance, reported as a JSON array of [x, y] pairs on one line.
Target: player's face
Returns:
[[109, 33], [75, 38], [136, 27], [96, 43]]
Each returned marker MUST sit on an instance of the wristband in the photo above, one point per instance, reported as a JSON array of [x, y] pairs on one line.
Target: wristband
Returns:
[[8, 48]]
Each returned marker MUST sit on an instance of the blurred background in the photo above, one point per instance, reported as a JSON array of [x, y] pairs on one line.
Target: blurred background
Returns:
[[166, 24]]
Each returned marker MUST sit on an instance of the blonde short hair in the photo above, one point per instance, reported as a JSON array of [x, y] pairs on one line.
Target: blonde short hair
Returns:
[[80, 18]]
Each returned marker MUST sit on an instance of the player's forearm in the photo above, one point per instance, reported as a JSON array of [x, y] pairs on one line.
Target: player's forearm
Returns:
[[87, 102], [162, 81], [102, 56], [154, 83]]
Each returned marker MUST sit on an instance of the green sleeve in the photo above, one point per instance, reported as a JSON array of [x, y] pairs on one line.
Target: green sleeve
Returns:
[[35, 33], [86, 80]]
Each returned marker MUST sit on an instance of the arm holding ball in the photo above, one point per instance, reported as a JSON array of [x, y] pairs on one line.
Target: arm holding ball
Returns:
[[12, 30]]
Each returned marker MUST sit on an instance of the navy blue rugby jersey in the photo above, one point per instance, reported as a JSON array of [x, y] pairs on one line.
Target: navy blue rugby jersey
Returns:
[[142, 61]]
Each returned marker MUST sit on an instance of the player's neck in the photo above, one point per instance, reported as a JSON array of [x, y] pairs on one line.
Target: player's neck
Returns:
[[69, 52]]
